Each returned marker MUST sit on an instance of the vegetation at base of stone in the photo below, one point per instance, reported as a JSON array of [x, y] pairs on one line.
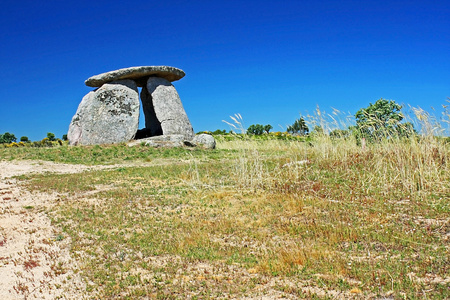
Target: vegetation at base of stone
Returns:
[[97, 154], [299, 127], [258, 217]]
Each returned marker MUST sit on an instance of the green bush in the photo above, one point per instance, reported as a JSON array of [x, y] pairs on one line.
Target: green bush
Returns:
[[219, 132], [51, 136], [256, 129], [267, 128], [7, 138]]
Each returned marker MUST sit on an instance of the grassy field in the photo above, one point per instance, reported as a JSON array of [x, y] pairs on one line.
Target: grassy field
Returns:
[[318, 219]]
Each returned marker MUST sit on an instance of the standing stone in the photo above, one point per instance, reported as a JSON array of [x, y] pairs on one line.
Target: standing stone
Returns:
[[170, 115], [110, 114]]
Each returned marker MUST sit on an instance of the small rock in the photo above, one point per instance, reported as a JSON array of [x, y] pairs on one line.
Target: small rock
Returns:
[[169, 141], [205, 140], [296, 163]]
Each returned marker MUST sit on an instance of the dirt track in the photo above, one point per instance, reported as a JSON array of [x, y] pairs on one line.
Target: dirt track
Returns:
[[34, 255]]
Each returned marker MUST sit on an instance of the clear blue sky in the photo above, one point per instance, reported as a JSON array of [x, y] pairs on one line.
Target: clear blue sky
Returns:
[[267, 60]]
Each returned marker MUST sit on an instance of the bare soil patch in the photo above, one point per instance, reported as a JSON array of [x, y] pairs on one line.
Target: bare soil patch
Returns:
[[35, 261]]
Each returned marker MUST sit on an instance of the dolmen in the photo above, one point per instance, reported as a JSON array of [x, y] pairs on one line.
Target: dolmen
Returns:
[[110, 113]]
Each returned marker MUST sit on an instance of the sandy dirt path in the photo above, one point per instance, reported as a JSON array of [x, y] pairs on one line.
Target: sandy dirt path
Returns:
[[35, 261]]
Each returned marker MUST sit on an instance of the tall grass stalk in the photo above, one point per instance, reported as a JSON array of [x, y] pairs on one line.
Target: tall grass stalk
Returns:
[[408, 164]]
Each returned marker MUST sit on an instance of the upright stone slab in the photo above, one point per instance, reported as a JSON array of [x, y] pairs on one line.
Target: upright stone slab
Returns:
[[110, 114], [167, 107]]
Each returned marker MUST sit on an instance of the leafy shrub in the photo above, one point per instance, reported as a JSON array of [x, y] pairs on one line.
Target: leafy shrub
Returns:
[[13, 144], [267, 128], [46, 142], [219, 132], [7, 138], [256, 129]]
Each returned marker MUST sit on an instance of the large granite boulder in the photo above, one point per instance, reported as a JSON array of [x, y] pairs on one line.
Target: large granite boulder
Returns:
[[164, 112], [138, 74], [110, 114]]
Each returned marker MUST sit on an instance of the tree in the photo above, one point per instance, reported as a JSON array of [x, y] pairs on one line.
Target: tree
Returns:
[[24, 139], [382, 120], [256, 129], [267, 128], [406, 129], [299, 127], [51, 136], [64, 137], [7, 138]]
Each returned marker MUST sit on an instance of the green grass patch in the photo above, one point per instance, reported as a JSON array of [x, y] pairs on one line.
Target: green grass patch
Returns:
[[104, 154]]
